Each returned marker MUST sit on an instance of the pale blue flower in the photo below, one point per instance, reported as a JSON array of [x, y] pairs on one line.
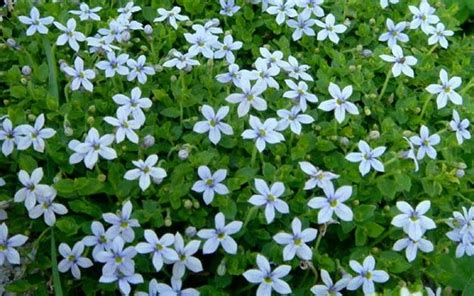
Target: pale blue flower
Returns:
[[446, 90], [214, 123], [47, 207], [100, 239], [340, 102], [330, 288], [267, 279], [366, 275], [269, 197], [318, 177], [367, 158], [225, 49], [299, 94], [395, 33], [426, 143], [176, 289], [263, 133], [302, 25], [186, 258], [332, 203], [8, 245], [401, 63], [145, 170], [32, 188], [35, 23], [117, 258], [228, 7], [282, 9], [295, 243], [159, 247], [221, 235], [73, 259], [249, 97], [124, 279], [412, 246], [330, 29], [122, 223], [413, 221], [293, 119], [461, 127], [210, 183]]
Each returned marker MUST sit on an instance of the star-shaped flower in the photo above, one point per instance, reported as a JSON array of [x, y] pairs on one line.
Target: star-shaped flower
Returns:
[[367, 158], [250, 97], [267, 279], [221, 235], [263, 133], [35, 135], [73, 259], [332, 203], [269, 197], [413, 221], [8, 245], [446, 90], [426, 143], [318, 177], [69, 35], [340, 102], [35, 23], [439, 34], [330, 29], [367, 275], [159, 247], [395, 33], [213, 123], [401, 63], [295, 243], [461, 127], [210, 183], [80, 75], [122, 224], [145, 171]]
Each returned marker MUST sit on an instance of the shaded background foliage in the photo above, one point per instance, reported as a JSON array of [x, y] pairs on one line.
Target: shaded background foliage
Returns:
[[89, 193]]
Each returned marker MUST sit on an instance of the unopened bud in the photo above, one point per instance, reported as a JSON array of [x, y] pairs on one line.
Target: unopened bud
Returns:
[[190, 231], [373, 135], [68, 131], [57, 178], [183, 154], [367, 111], [460, 173], [210, 62], [344, 141], [157, 181], [359, 47], [168, 222], [90, 120], [417, 110], [148, 141], [23, 80], [12, 43], [148, 29], [221, 269], [372, 21], [31, 117], [196, 204], [101, 178], [367, 53], [143, 48], [91, 109], [304, 265], [347, 22], [462, 165], [386, 208], [352, 68], [125, 36], [173, 78], [158, 68], [406, 133], [188, 204], [26, 70], [355, 202], [188, 23]]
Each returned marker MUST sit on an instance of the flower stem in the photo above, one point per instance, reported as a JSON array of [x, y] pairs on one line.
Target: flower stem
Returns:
[[58, 291], [385, 84], [53, 88], [254, 155], [425, 105], [432, 49]]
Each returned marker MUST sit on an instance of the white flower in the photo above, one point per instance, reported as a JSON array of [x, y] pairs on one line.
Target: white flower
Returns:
[[439, 34], [122, 224], [79, 75], [85, 13], [282, 9], [69, 35], [114, 64], [32, 189], [330, 29], [302, 25], [366, 276], [159, 247], [263, 133], [213, 123], [145, 170], [405, 292], [47, 207], [411, 247], [36, 24], [225, 49], [186, 260], [329, 287], [35, 135], [124, 279], [181, 61], [313, 6], [423, 16], [201, 43], [123, 126], [269, 197], [100, 44], [431, 293], [395, 33], [426, 143], [264, 74], [129, 9], [332, 202], [117, 258], [267, 279], [234, 75], [100, 239], [367, 158], [93, 146], [384, 3], [401, 63], [250, 96], [133, 105], [295, 243], [8, 245], [10, 136], [175, 289], [228, 7], [272, 58], [73, 259], [413, 221], [340, 103], [460, 127], [318, 177], [295, 70], [299, 94], [171, 15], [138, 70], [446, 90], [293, 119], [210, 183], [221, 235]]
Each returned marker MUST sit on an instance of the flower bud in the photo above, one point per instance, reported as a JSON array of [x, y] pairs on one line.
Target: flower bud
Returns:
[[367, 53], [347, 22], [173, 78], [57, 178], [158, 68], [90, 120], [372, 21], [304, 265], [359, 47], [462, 165], [386, 208], [125, 36], [373, 96], [317, 50], [190, 231], [374, 135], [12, 43], [352, 68], [168, 221], [6, 102], [188, 23], [355, 202], [459, 173], [417, 110], [406, 133], [344, 141], [196, 204], [31, 117], [91, 109], [101, 178], [26, 70], [188, 204], [367, 111], [148, 29], [148, 141], [210, 62], [68, 131], [144, 48], [221, 268], [157, 181], [183, 154], [23, 80]]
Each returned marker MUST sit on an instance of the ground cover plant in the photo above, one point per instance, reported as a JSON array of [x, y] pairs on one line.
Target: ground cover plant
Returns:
[[259, 147]]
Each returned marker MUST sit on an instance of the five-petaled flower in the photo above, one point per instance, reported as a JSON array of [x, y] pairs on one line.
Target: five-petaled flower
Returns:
[[330, 29], [340, 103], [8, 245], [426, 143], [35, 22], [460, 127], [213, 123], [330, 288], [221, 235], [367, 158], [145, 171], [318, 177], [250, 97], [413, 221], [159, 247], [367, 275], [122, 224], [446, 90], [295, 243], [32, 189], [269, 197], [332, 202], [267, 279], [80, 76], [401, 63], [210, 183], [73, 259], [69, 35]]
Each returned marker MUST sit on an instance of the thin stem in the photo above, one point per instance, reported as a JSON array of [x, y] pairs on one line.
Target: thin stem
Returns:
[[425, 105], [467, 87], [385, 84], [53, 88], [254, 155], [58, 291], [432, 49]]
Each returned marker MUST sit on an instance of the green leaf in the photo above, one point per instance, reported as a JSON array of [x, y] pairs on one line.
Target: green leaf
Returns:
[[387, 187], [364, 212], [360, 236], [58, 290]]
